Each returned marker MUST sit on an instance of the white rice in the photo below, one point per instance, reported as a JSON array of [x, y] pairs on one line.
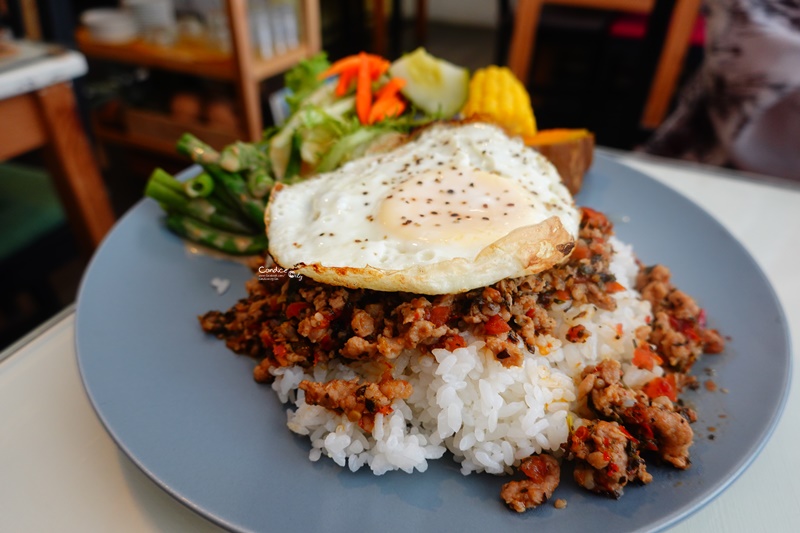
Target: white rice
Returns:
[[465, 402]]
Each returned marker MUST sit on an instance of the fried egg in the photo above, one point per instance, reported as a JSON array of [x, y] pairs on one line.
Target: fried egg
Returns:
[[459, 207]]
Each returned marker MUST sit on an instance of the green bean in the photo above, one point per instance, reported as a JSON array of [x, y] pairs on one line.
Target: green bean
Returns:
[[224, 241], [197, 150], [259, 183], [200, 186], [161, 188]]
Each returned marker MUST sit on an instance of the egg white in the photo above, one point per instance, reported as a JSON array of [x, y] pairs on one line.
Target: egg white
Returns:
[[459, 207]]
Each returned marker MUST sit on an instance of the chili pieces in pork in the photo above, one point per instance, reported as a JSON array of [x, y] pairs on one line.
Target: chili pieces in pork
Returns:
[[290, 321], [302, 322]]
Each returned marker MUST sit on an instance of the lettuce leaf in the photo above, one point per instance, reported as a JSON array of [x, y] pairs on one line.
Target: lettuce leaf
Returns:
[[302, 80]]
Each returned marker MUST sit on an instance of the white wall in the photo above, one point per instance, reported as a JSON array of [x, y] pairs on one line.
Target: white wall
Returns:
[[466, 12]]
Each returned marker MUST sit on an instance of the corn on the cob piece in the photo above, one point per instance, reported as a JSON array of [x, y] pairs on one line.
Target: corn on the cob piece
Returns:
[[496, 94]]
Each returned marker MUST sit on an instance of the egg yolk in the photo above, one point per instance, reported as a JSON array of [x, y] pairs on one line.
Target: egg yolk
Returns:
[[469, 208]]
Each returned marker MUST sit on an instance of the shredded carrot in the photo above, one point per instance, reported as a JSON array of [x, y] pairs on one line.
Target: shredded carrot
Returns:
[[387, 101], [363, 90], [390, 88], [348, 63], [377, 65], [345, 80], [386, 107], [364, 69]]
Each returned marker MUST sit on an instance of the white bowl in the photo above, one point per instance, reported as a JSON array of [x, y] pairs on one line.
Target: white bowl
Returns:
[[152, 13], [110, 26]]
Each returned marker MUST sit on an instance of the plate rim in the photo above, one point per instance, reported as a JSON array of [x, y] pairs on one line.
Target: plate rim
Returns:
[[602, 160]]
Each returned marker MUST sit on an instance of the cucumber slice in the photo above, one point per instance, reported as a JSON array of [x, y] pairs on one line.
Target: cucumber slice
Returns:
[[432, 84]]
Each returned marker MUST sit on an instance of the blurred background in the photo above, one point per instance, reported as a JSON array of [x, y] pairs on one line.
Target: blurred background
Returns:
[[171, 66]]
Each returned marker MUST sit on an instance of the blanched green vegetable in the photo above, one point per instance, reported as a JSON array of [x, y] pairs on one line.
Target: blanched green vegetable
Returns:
[[322, 110], [259, 183], [196, 150], [242, 156], [232, 188], [231, 243], [345, 147], [224, 206], [170, 193], [200, 186], [303, 79], [236, 188]]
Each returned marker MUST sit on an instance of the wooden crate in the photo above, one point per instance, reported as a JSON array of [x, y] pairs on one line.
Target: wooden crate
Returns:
[[162, 128]]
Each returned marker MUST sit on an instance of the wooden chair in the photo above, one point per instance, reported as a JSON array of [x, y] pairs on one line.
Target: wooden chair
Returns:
[[671, 30], [48, 118], [35, 248], [395, 26]]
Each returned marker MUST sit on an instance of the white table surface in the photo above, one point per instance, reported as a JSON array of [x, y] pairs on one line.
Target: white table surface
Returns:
[[60, 471], [39, 72]]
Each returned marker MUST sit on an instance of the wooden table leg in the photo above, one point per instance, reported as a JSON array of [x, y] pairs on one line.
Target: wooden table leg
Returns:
[[421, 24], [247, 84], [523, 37], [670, 65], [76, 176], [378, 28]]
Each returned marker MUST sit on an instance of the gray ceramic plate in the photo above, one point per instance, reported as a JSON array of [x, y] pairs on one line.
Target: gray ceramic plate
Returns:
[[188, 413]]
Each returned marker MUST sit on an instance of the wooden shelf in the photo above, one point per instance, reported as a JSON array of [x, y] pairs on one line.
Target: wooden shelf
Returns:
[[242, 66], [266, 68], [187, 58], [122, 138], [156, 132]]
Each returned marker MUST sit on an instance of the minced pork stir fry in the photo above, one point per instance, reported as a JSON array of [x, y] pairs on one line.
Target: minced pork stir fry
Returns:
[[290, 321]]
